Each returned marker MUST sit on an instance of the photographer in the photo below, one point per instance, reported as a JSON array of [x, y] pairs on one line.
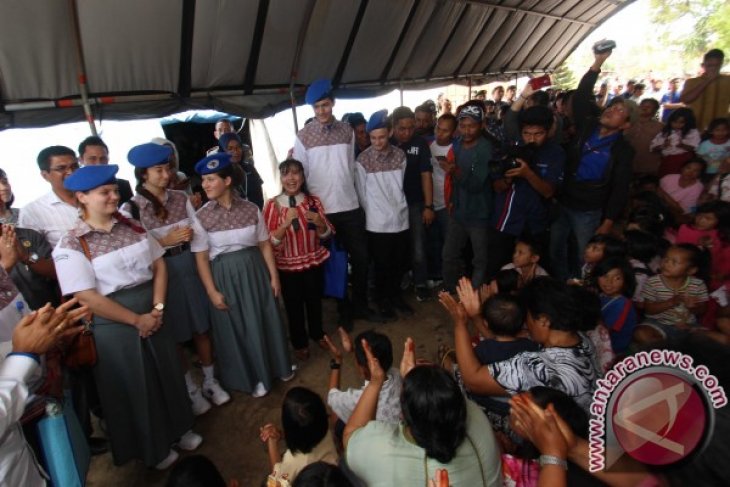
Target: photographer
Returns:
[[527, 179]]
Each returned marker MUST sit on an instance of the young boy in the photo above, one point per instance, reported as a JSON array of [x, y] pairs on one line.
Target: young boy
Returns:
[[598, 248], [504, 318], [525, 260], [379, 175], [342, 402]]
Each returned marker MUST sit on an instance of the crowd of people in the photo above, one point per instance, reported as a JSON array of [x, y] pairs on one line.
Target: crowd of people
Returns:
[[561, 231]]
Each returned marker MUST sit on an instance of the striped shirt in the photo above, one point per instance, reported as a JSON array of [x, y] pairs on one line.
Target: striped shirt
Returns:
[[655, 290], [299, 249]]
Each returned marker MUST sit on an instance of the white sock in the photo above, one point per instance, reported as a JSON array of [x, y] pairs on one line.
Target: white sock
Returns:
[[208, 373], [190, 382]]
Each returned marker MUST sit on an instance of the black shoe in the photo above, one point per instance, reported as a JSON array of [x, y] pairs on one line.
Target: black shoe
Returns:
[[98, 446], [422, 294], [402, 307]]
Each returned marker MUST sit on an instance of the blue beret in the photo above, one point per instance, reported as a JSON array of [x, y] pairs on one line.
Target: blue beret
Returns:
[[90, 177], [378, 120], [224, 139], [148, 155], [213, 163], [318, 90]]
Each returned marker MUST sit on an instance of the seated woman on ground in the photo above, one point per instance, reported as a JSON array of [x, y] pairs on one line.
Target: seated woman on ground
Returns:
[[440, 430], [566, 362]]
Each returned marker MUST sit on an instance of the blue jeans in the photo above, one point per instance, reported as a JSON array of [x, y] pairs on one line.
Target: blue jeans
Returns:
[[419, 261], [583, 225]]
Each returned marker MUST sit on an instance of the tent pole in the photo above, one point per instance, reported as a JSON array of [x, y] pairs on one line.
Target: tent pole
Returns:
[[400, 89], [80, 66], [468, 95], [297, 55]]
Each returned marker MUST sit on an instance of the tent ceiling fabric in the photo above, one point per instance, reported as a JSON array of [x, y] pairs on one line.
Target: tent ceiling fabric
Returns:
[[151, 58]]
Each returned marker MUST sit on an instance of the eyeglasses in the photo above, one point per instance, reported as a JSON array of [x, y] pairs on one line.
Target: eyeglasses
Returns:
[[65, 169]]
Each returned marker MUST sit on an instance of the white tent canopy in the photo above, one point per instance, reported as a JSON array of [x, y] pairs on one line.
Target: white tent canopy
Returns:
[[151, 58]]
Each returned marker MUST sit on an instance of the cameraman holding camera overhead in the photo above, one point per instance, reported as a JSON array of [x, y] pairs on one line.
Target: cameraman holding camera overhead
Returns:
[[597, 171], [528, 178]]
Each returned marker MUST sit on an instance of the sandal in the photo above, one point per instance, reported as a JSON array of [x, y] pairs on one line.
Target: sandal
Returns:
[[445, 353]]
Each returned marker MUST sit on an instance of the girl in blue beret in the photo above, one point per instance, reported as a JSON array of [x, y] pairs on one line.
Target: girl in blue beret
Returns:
[[116, 268], [239, 273]]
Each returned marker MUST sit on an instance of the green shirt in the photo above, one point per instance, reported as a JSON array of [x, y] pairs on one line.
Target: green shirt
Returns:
[[381, 455]]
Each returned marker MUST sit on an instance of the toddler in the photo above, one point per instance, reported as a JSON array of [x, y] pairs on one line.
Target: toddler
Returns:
[[525, 260]]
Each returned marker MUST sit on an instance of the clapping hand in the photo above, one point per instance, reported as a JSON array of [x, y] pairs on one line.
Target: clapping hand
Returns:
[[469, 298], [409, 357], [456, 310], [377, 375]]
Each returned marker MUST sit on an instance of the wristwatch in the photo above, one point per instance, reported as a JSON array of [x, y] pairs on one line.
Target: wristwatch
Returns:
[[32, 258], [159, 307], [428, 207], [552, 460], [334, 364]]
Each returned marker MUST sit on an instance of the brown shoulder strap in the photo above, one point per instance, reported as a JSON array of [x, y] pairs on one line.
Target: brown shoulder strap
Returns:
[[85, 246]]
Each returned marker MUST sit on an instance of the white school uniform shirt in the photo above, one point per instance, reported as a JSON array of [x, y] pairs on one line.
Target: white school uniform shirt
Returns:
[[327, 153], [50, 216], [17, 462], [228, 230], [180, 213], [10, 310], [379, 183], [120, 259]]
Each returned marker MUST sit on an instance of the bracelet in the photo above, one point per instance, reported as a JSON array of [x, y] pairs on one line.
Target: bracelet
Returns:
[[428, 207], [552, 460], [334, 364]]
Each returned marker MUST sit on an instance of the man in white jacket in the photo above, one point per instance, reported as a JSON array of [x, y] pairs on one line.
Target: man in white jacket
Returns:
[[36, 333]]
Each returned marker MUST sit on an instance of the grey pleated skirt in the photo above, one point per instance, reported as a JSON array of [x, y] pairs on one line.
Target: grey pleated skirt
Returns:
[[249, 339], [141, 384], [187, 308]]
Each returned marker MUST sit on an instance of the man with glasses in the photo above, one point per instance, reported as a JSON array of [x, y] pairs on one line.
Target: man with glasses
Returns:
[[94, 152], [55, 213]]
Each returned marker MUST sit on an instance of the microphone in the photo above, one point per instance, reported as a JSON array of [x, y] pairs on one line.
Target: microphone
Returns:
[[293, 204]]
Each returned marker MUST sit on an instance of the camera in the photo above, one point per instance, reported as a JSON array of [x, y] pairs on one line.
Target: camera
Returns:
[[527, 153], [604, 46]]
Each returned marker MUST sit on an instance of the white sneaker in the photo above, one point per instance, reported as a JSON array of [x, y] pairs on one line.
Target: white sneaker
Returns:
[[189, 441], [289, 377], [213, 391], [200, 404], [168, 461], [259, 390]]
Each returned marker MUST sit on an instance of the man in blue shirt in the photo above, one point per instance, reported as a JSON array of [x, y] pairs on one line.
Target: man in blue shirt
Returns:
[[522, 193], [671, 100]]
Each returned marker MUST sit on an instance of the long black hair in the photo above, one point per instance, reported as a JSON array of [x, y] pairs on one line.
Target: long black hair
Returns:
[[690, 122]]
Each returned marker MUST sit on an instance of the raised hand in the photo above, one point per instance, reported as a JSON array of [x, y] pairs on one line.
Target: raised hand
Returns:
[[345, 339], [469, 298], [456, 310], [377, 374], [409, 357]]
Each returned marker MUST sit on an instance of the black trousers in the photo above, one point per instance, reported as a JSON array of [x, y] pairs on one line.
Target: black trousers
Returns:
[[302, 294], [350, 231], [389, 252]]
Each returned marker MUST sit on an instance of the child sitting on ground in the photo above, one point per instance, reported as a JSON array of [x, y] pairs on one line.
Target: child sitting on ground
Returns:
[[525, 260], [306, 433], [342, 402], [600, 247], [674, 298], [642, 250], [615, 279], [504, 318]]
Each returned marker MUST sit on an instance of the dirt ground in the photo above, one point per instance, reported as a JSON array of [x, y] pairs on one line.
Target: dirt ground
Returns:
[[230, 432]]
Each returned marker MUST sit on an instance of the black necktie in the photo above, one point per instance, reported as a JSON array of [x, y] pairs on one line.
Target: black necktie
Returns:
[[293, 204]]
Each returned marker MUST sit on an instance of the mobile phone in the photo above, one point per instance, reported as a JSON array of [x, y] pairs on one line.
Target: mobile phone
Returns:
[[540, 82], [604, 45]]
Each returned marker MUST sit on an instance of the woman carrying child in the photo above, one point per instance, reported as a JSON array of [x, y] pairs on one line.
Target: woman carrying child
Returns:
[[677, 141]]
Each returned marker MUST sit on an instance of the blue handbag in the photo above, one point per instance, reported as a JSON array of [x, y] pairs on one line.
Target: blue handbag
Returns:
[[63, 444], [335, 271]]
